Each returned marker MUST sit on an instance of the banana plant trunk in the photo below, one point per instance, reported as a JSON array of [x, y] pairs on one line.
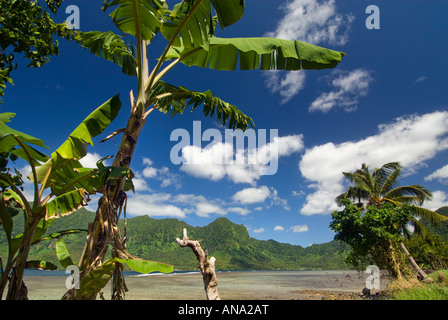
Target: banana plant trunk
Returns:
[[104, 229], [17, 289]]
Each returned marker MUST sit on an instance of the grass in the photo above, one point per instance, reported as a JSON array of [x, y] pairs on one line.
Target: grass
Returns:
[[415, 290]]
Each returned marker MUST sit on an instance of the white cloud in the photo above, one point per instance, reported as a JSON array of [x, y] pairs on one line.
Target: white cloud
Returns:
[[260, 195], [153, 205], [287, 86], [163, 174], [252, 195], [348, 88], [277, 200], [147, 161], [279, 228], [441, 175], [149, 172], [439, 200], [312, 21], [139, 183], [299, 228], [240, 211], [219, 160], [409, 140], [259, 230], [90, 160], [205, 208], [420, 79]]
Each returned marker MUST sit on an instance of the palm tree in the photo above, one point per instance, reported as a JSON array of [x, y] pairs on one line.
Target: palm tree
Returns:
[[381, 185]]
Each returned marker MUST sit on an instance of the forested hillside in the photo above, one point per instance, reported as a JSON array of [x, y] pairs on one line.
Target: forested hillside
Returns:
[[229, 243]]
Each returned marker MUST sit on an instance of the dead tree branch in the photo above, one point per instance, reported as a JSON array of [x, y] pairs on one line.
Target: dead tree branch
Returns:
[[206, 266]]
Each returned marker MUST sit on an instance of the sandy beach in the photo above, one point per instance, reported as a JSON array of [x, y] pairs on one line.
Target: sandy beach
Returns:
[[235, 285]]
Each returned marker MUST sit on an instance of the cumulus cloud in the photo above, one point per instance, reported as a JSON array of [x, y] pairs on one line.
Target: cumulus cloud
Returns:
[[90, 160], [441, 175], [240, 211], [286, 84], [153, 205], [312, 21], [204, 209], [260, 195], [410, 140], [163, 174], [241, 166], [299, 228], [252, 195], [439, 200], [279, 228], [259, 230], [347, 89]]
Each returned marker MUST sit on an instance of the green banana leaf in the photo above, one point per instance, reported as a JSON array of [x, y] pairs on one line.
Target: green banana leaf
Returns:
[[145, 266], [41, 228], [63, 171], [257, 53], [148, 17], [111, 47], [65, 204], [137, 16], [75, 146], [18, 142], [63, 255], [228, 11], [189, 24], [169, 98], [96, 279]]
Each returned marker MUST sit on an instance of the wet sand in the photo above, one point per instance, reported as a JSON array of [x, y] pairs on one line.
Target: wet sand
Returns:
[[257, 285]]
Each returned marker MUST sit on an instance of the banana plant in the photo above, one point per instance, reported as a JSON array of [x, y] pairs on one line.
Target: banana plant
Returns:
[[60, 186], [188, 28]]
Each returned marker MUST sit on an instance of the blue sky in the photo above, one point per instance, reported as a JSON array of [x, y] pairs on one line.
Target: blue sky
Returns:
[[386, 101]]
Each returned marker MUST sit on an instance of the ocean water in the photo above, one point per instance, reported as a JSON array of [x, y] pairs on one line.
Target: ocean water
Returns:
[[232, 285]]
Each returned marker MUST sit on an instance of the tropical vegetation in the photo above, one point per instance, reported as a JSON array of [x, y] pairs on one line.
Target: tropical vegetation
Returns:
[[229, 243], [415, 290], [189, 30], [28, 29], [61, 185], [380, 220]]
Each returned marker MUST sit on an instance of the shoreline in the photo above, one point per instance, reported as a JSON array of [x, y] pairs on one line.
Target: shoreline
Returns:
[[232, 285]]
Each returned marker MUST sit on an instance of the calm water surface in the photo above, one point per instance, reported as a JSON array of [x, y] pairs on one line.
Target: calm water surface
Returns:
[[234, 285]]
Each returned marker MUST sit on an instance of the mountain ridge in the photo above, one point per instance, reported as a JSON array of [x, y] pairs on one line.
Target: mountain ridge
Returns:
[[154, 239], [230, 243]]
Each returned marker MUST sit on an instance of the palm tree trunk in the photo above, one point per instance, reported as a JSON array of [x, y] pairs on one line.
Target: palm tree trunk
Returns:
[[419, 270], [395, 263]]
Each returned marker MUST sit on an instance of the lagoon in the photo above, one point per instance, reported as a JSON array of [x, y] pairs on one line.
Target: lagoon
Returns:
[[232, 285]]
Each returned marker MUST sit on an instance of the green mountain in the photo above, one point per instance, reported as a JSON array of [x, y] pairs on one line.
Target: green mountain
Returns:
[[229, 243], [442, 228]]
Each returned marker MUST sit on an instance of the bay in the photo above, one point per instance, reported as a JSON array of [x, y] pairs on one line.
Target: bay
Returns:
[[232, 285]]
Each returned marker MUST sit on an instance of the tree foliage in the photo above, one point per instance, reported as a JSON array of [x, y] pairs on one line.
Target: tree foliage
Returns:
[[382, 185], [231, 244], [374, 233], [61, 175], [27, 28]]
